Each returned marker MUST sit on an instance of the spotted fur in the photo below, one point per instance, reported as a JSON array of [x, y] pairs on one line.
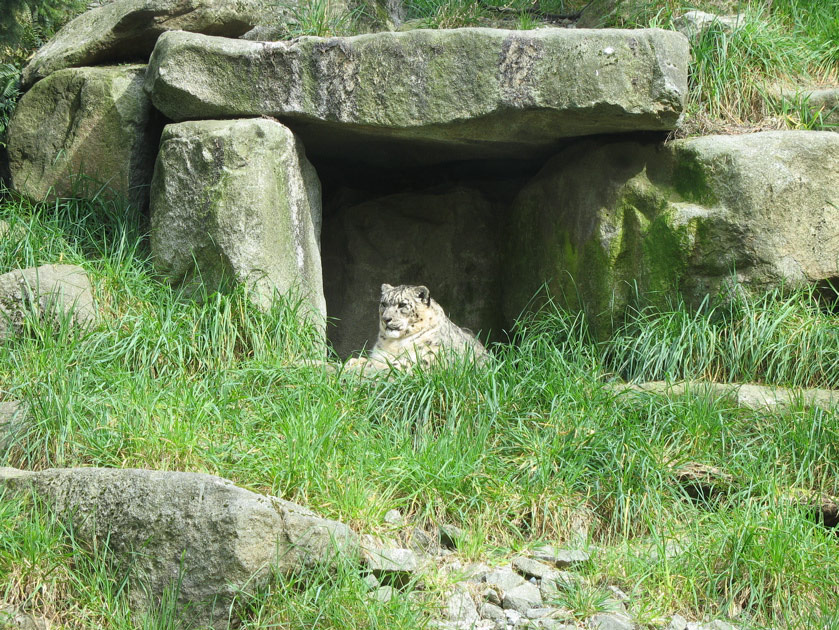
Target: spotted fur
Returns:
[[413, 328]]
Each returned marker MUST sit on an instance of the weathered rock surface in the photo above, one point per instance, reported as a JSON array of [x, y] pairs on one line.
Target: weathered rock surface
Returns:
[[716, 624], [492, 612], [473, 92], [444, 239], [522, 598], [480, 624], [776, 191], [750, 396], [383, 594], [126, 30], [529, 567], [13, 619], [11, 411], [84, 121], [610, 621], [14, 415], [603, 219], [383, 560], [54, 293], [222, 538], [461, 607], [677, 622], [386, 561], [694, 23], [491, 596], [504, 579], [562, 558], [237, 201]]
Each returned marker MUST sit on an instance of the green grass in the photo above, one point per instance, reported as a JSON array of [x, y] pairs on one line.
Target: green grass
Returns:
[[583, 599], [323, 18], [735, 73], [509, 453], [522, 14], [779, 338]]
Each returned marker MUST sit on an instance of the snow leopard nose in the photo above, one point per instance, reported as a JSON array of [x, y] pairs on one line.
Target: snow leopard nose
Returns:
[[387, 319]]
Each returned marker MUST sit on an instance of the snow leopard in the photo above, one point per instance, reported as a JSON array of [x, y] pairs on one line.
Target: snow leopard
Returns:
[[414, 329]]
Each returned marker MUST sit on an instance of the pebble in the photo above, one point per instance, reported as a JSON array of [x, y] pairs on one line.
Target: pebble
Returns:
[[605, 621], [461, 607], [505, 579], [531, 568], [522, 598], [382, 594]]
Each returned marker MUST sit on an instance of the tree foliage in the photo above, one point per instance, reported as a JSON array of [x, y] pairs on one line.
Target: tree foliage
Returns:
[[28, 24]]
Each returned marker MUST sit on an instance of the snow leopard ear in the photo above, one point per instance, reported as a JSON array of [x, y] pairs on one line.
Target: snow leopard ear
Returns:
[[422, 294], [386, 288]]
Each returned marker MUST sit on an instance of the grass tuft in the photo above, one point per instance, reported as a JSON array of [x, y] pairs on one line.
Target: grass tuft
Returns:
[[780, 338]]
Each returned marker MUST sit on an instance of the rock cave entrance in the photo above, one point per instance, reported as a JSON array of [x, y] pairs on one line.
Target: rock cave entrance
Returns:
[[442, 226]]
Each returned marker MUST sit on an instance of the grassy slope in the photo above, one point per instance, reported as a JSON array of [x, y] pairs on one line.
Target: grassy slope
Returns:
[[509, 453]]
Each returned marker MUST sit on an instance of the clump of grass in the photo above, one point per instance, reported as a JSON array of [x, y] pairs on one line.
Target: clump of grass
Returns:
[[798, 112], [780, 338], [323, 18], [819, 23], [732, 70], [759, 562], [330, 599], [527, 14], [43, 567], [735, 71], [582, 599], [449, 14]]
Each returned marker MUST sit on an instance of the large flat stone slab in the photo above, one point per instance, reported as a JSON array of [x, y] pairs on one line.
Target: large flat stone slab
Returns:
[[750, 396], [126, 30], [475, 92]]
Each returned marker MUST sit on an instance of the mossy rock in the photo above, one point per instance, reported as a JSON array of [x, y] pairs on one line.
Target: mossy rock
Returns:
[[126, 30], [236, 201], [612, 224], [82, 124]]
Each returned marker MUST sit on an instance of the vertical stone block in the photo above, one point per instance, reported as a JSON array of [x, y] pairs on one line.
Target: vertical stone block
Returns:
[[84, 121], [237, 201]]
